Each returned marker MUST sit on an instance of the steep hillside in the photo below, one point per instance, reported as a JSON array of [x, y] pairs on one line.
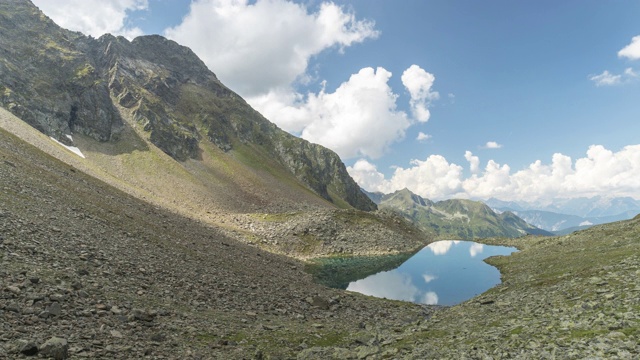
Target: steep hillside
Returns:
[[457, 219], [122, 98], [112, 277]]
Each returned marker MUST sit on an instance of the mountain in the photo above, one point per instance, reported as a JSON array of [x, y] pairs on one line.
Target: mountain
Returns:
[[457, 218], [118, 97], [594, 207], [376, 197], [561, 223], [89, 271]]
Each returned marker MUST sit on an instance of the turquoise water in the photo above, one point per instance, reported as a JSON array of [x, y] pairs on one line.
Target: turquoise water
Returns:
[[443, 273]]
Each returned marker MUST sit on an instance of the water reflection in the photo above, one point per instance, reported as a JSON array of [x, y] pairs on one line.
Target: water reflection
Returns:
[[428, 278], [475, 249], [441, 247], [445, 273], [388, 284]]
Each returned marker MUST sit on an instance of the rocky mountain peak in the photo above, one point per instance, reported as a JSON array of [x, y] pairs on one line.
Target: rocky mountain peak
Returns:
[[62, 82]]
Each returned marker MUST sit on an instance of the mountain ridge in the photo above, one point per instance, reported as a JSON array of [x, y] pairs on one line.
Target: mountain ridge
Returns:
[[102, 86], [457, 218]]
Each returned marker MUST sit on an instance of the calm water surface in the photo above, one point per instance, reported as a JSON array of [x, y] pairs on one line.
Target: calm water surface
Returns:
[[443, 273]]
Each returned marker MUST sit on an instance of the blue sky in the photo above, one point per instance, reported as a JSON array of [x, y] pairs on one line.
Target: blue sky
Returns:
[[547, 82]]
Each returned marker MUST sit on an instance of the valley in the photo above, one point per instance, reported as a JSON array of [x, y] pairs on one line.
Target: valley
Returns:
[[187, 228]]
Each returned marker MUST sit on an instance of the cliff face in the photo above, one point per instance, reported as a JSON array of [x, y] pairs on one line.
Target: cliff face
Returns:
[[48, 79], [62, 82]]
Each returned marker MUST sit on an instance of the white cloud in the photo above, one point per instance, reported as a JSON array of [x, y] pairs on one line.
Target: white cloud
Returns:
[[474, 162], [601, 171], [358, 119], [419, 83], [492, 145], [631, 51], [262, 50], [606, 79], [423, 137], [629, 72], [432, 178], [366, 175], [93, 17], [255, 48]]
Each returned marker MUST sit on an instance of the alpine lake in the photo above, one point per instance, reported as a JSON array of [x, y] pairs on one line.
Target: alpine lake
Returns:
[[445, 272]]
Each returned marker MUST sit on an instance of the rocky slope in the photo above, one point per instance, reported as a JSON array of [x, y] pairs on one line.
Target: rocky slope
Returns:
[[456, 218], [117, 278], [88, 271], [64, 84]]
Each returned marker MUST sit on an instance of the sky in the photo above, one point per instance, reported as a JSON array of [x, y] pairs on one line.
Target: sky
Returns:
[[517, 100]]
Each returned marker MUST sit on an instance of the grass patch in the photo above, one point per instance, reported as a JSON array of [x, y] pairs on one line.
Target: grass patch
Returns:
[[586, 333], [276, 217]]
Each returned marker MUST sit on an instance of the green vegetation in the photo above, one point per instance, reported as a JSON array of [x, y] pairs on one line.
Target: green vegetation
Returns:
[[456, 219], [339, 271]]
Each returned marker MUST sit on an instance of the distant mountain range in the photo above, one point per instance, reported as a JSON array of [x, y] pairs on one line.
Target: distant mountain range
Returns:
[[568, 215], [455, 218], [593, 207]]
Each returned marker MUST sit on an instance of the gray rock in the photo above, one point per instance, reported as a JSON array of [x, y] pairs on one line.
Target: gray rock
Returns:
[[143, 315], [13, 289], [56, 348], [29, 349], [54, 309], [365, 352]]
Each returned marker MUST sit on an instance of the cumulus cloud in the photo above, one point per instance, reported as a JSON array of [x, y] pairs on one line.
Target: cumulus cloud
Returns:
[[631, 51], [600, 171], [492, 145], [262, 50], [93, 17], [432, 178], [474, 162], [419, 83], [358, 119], [423, 137], [366, 175], [257, 47]]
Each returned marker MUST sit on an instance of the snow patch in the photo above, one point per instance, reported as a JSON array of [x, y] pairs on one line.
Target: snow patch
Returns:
[[73, 149], [586, 223]]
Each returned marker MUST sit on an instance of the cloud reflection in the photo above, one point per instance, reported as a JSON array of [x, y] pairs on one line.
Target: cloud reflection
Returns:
[[428, 278], [394, 285], [476, 249], [441, 247], [388, 284], [430, 298]]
